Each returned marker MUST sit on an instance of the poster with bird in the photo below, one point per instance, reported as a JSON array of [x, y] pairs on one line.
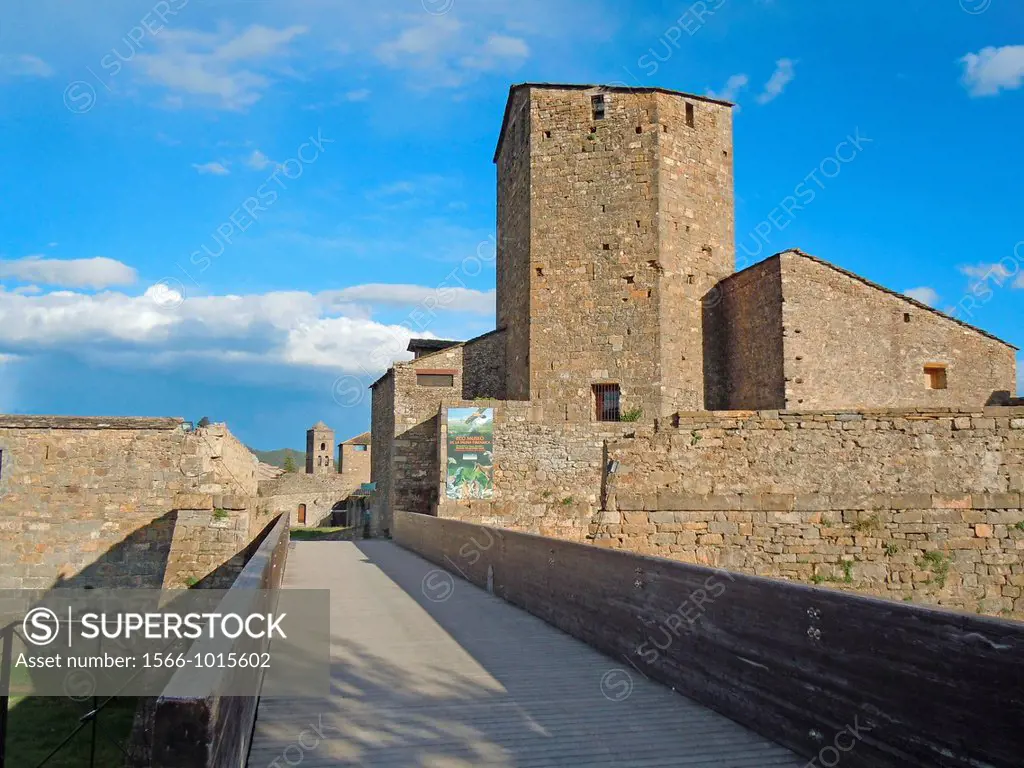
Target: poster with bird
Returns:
[[470, 472]]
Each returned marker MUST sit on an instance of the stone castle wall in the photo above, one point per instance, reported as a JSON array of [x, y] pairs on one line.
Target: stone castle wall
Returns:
[[321, 494], [696, 241], [483, 364], [743, 341], [512, 278], [634, 211], [900, 504], [354, 464], [594, 227], [95, 501], [849, 344]]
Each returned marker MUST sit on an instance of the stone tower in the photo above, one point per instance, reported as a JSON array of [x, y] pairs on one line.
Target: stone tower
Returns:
[[319, 449], [615, 219]]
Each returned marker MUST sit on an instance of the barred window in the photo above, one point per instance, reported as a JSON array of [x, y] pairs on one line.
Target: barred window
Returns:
[[606, 402]]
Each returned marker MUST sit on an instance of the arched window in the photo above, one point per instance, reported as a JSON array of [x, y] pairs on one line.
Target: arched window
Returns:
[[323, 446], [319, 461]]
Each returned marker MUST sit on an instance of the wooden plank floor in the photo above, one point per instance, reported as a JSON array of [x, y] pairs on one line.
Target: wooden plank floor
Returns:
[[473, 681]]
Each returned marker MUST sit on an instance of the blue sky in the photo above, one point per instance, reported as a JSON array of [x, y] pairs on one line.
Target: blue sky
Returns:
[[240, 209]]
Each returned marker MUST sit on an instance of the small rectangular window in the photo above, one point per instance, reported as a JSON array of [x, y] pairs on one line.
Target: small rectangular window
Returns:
[[359, 448], [606, 402], [597, 104], [689, 114], [435, 380], [935, 376]]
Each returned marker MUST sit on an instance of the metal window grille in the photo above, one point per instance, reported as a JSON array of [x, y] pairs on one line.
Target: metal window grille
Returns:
[[606, 402]]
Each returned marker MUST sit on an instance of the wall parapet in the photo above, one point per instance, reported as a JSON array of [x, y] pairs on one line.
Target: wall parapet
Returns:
[[17, 421], [208, 729], [810, 667]]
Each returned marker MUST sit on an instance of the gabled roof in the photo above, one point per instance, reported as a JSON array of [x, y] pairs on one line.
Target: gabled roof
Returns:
[[449, 344], [876, 286], [431, 344], [620, 88], [363, 439]]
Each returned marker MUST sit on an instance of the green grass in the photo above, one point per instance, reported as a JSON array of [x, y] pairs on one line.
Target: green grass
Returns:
[[868, 524], [633, 414], [322, 534], [38, 724], [937, 563], [846, 578], [1020, 526], [220, 514]]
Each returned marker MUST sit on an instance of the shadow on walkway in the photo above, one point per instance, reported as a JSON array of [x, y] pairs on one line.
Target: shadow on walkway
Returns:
[[428, 670]]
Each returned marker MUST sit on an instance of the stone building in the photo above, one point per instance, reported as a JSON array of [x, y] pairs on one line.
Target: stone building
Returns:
[[319, 449], [621, 320], [617, 296], [123, 503], [319, 496]]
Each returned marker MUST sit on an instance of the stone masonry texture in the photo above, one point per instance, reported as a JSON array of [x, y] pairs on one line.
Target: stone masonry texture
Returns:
[[628, 224], [615, 266], [113, 502]]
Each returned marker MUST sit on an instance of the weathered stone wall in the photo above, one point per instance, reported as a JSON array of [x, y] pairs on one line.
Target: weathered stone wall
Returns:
[[382, 439], [513, 267], [850, 344], [547, 476], [743, 341], [594, 227], [483, 366], [901, 504], [94, 501], [213, 535], [408, 411], [320, 450], [353, 463], [696, 242], [320, 493], [634, 212]]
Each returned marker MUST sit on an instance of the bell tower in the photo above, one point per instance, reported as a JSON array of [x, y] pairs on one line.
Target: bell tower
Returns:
[[319, 450]]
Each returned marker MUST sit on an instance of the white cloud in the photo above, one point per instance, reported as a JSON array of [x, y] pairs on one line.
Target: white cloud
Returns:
[[733, 86], [498, 52], [258, 161], [924, 294], [212, 168], [441, 52], [785, 71], [23, 65], [164, 326], [229, 72], [99, 272], [455, 299], [358, 94], [993, 69], [998, 274]]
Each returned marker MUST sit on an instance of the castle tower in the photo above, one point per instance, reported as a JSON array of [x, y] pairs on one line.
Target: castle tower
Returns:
[[615, 219], [319, 449]]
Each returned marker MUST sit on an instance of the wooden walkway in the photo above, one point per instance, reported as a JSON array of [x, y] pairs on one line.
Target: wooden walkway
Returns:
[[431, 671]]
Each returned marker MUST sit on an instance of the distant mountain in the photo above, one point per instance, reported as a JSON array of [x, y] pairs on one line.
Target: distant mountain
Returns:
[[276, 458]]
